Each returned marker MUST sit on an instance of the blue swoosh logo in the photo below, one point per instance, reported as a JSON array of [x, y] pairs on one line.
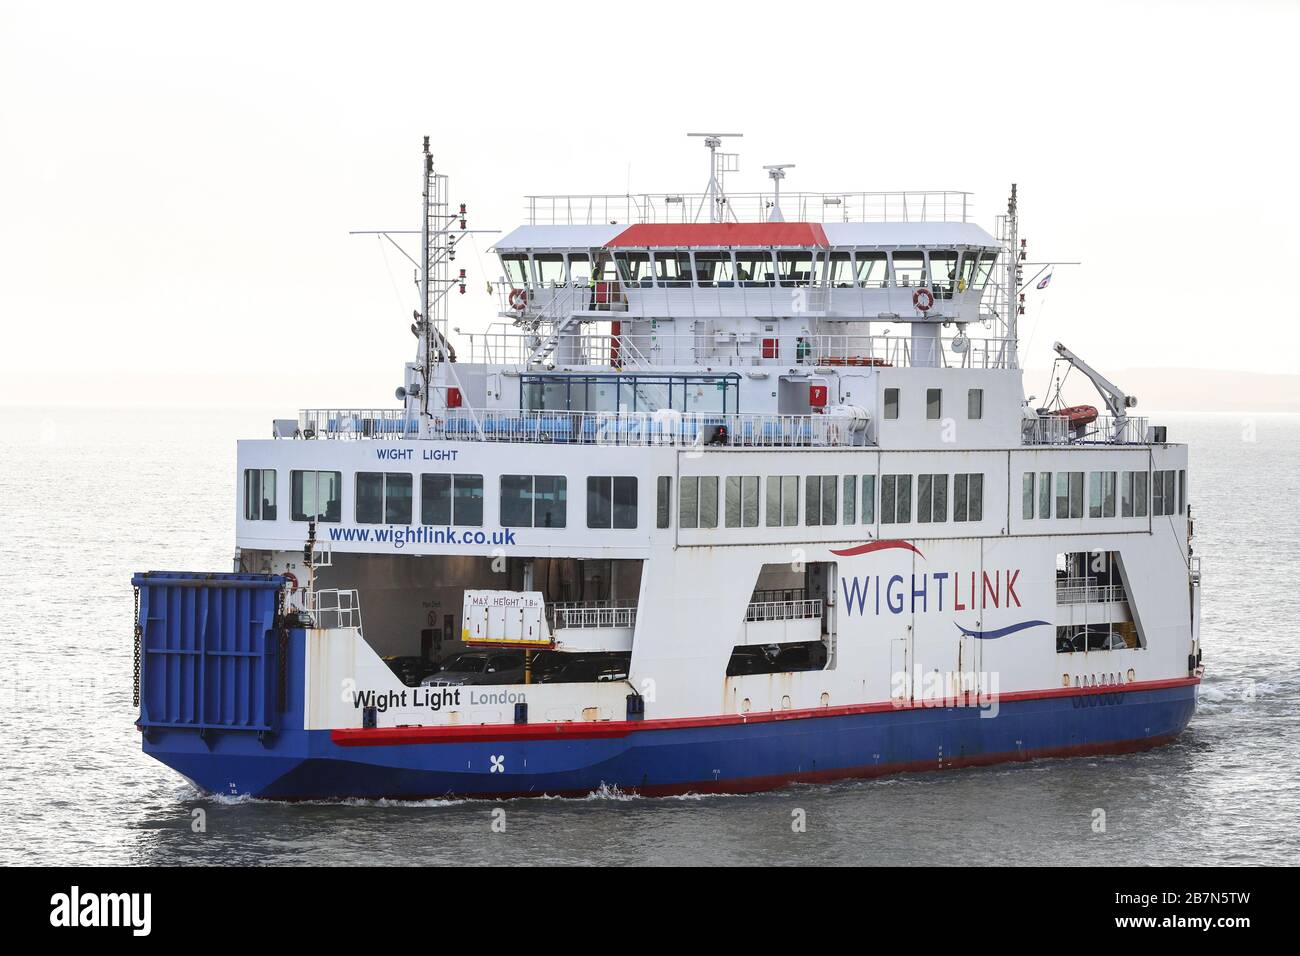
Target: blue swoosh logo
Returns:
[[1001, 631]]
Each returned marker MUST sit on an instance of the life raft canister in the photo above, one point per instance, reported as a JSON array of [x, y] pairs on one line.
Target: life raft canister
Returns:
[[923, 300], [518, 299]]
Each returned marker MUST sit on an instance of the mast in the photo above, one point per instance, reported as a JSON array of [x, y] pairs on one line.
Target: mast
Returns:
[[719, 163], [424, 354], [1011, 309]]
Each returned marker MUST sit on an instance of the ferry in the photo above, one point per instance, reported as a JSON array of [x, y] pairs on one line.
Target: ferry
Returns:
[[737, 490]]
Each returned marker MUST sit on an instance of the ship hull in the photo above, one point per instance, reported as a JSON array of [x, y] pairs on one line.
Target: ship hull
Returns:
[[731, 754]]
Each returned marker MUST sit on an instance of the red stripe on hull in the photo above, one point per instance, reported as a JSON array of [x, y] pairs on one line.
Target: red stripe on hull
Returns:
[[575, 730]]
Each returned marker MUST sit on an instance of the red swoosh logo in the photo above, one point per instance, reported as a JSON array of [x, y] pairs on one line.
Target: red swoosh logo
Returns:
[[876, 546]]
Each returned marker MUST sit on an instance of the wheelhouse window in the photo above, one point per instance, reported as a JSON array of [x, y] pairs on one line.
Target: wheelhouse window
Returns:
[[895, 499], [383, 497], [714, 270], [835, 270], [664, 501], [909, 268], [968, 497], [634, 269], [697, 501], [969, 264], [550, 269], [782, 500], [932, 498], [259, 494], [451, 499], [943, 272], [516, 269], [795, 268], [534, 501], [985, 268], [673, 268], [872, 269], [611, 502], [741, 501], [755, 269], [316, 495], [579, 269]]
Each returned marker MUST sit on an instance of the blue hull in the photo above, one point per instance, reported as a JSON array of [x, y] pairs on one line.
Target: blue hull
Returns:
[[666, 757]]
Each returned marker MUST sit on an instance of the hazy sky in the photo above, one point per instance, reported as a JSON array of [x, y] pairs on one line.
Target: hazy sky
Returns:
[[177, 181]]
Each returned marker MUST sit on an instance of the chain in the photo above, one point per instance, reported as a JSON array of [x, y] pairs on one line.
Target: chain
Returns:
[[283, 633], [139, 633]]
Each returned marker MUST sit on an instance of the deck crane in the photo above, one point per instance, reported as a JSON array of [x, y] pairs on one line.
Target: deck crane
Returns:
[[1117, 401]]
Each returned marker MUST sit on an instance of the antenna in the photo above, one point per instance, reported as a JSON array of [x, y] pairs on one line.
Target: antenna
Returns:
[[719, 163], [777, 173]]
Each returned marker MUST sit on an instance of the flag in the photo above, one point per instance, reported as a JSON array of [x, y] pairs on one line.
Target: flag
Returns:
[[1046, 279]]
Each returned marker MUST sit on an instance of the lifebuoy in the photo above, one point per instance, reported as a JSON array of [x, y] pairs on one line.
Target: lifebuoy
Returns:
[[518, 299], [923, 300], [292, 580]]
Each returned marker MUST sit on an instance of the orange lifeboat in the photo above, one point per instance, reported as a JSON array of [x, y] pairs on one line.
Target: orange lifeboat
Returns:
[[1077, 416]]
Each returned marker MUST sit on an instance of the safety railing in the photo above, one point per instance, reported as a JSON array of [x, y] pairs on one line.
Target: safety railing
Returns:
[[357, 423], [566, 615], [1087, 591], [937, 205], [783, 610], [663, 427], [1047, 429]]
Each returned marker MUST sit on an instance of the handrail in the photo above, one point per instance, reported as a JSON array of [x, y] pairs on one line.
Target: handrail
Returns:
[[1086, 591], [591, 615], [1046, 429], [926, 205], [783, 610]]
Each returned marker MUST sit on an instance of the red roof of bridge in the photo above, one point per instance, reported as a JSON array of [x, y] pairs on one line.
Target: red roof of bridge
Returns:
[[648, 234]]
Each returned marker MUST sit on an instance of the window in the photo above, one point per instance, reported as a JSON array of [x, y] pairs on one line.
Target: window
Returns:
[[821, 493], [1163, 493], [383, 498], [1126, 495], [1044, 494], [697, 505], [611, 502], [451, 500], [895, 499], [985, 269], [933, 403], [516, 270], [713, 269], [579, 269], [534, 501], [317, 495], [1182, 491], [634, 269], [969, 260], [1108, 494], [868, 499], [931, 498], [1141, 493], [1069, 494], [550, 269], [259, 494], [741, 501], [891, 403], [755, 269], [782, 500], [795, 268], [673, 269], [835, 270], [975, 403], [968, 497], [850, 498], [873, 270], [909, 269], [1094, 494], [943, 272], [663, 501], [1027, 496]]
